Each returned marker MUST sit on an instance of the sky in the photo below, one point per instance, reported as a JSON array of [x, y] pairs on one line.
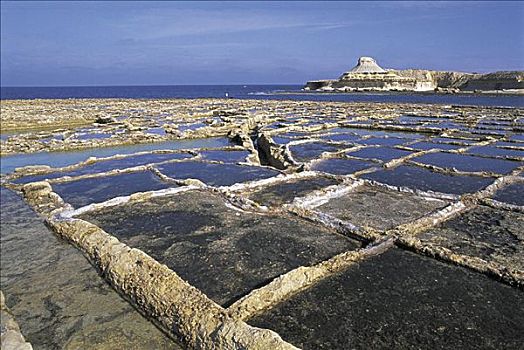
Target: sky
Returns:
[[169, 43]]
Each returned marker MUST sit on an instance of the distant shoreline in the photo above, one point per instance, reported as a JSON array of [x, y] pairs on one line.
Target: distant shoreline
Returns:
[[377, 92]]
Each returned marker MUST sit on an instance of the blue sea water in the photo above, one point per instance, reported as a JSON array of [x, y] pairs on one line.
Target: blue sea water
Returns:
[[265, 92]]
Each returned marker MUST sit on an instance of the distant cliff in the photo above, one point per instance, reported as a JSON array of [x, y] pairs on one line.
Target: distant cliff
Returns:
[[367, 75]]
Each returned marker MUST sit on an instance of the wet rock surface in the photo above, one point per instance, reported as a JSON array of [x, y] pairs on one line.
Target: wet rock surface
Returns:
[[83, 192], [404, 301], [57, 297], [426, 180], [285, 193], [488, 233], [512, 194], [361, 207], [215, 174], [223, 252]]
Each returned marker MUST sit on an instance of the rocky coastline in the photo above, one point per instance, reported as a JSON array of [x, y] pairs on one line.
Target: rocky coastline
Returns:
[[368, 76]]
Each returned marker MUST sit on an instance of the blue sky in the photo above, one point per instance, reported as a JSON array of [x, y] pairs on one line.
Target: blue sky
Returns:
[[148, 43]]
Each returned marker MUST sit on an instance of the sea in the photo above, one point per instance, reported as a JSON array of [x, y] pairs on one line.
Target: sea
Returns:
[[263, 92]]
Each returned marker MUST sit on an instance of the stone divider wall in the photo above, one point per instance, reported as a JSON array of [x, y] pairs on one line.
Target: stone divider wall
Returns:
[[178, 308]]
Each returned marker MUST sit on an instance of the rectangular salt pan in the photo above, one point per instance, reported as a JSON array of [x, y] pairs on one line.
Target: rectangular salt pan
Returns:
[[468, 163], [95, 190], [423, 179], [216, 174], [223, 252], [378, 208], [404, 301]]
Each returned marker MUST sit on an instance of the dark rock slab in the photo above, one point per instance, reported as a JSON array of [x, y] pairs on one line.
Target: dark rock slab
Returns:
[[512, 194], [426, 180], [223, 252], [399, 300], [284, 193], [379, 208], [491, 234]]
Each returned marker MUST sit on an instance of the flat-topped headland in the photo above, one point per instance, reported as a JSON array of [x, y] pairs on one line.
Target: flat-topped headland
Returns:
[[367, 75]]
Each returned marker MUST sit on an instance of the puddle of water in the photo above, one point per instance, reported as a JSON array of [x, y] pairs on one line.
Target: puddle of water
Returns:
[[82, 192], [436, 306], [192, 127], [406, 135], [107, 165], [57, 297], [512, 194], [61, 159], [225, 156], [491, 234], [348, 138], [216, 174], [446, 125], [59, 137], [4, 136], [341, 166], [156, 131], [283, 193], [413, 119], [382, 153], [223, 252], [390, 141], [92, 136], [517, 137], [453, 140], [424, 146], [308, 151], [423, 179], [282, 140], [468, 163], [361, 132], [493, 150]]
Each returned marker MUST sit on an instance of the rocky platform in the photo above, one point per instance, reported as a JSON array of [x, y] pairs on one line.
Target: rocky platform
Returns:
[[264, 224]]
